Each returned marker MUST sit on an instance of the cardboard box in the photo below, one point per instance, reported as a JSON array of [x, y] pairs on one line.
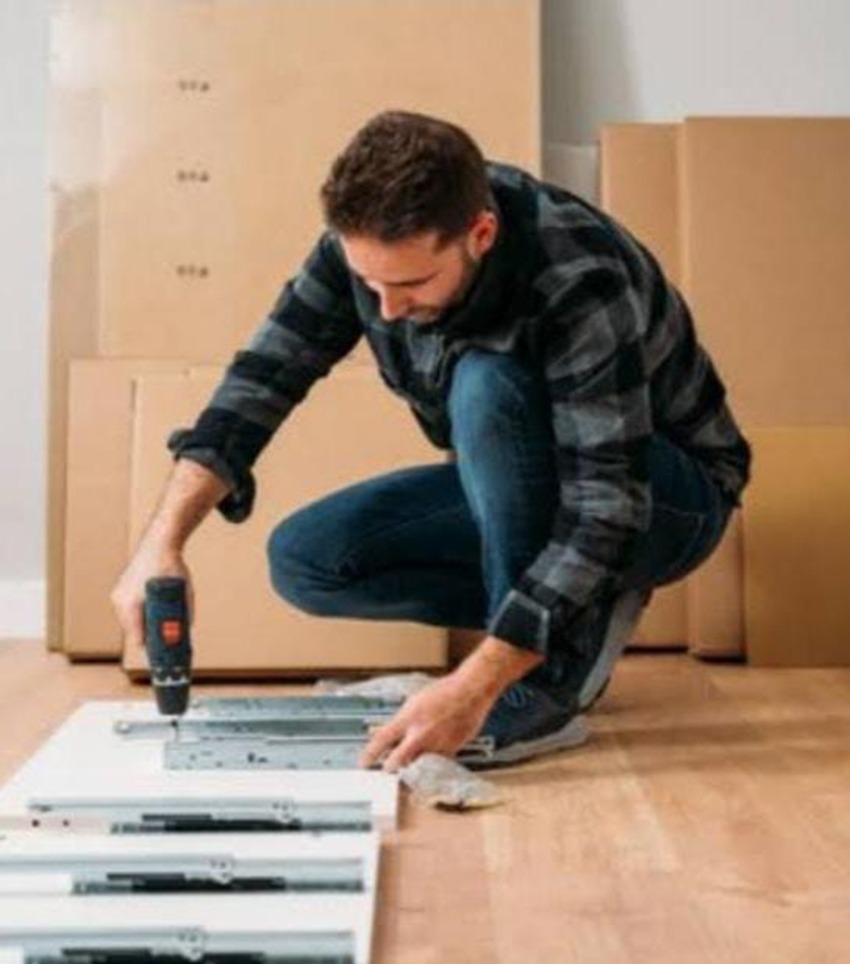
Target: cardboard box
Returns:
[[100, 421], [797, 529], [715, 598], [639, 186], [74, 164], [350, 427], [765, 249], [641, 183], [258, 96], [210, 199], [766, 252]]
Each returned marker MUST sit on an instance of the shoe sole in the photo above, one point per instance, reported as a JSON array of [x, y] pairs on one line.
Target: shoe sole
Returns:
[[570, 735]]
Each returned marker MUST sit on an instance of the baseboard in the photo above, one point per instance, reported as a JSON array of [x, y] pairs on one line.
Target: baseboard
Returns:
[[22, 609]]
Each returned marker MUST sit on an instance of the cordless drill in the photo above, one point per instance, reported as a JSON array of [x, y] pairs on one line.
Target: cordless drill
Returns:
[[168, 644]]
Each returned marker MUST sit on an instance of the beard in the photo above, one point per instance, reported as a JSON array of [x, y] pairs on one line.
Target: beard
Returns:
[[428, 314]]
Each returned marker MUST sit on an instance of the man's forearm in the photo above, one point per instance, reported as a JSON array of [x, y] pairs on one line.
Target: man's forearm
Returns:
[[191, 493], [494, 664]]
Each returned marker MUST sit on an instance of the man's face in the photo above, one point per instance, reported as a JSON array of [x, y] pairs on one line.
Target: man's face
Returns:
[[416, 278]]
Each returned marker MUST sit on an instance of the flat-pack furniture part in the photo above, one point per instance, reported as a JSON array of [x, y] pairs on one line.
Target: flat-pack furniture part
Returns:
[[84, 758], [189, 813], [321, 928], [101, 854], [77, 863]]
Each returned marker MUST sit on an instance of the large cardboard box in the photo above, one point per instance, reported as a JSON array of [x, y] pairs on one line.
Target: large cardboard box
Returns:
[[797, 528], [100, 423], [190, 139], [641, 183], [217, 139], [639, 186], [74, 170], [350, 427], [765, 212], [766, 254]]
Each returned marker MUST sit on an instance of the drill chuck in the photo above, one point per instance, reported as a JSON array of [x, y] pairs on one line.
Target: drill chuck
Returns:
[[168, 643]]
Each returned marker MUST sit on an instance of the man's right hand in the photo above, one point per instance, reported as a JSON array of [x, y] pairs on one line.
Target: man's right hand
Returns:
[[190, 494], [128, 596]]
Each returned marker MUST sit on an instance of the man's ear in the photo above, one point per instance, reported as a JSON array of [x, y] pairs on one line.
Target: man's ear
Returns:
[[482, 235]]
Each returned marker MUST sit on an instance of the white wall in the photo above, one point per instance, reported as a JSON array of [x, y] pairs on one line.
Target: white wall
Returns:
[[660, 60], [604, 60], [23, 308]]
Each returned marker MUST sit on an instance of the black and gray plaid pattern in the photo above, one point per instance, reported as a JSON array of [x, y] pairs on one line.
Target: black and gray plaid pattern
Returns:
[[572, 293]]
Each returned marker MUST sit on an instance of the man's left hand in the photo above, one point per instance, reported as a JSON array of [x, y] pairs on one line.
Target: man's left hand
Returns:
[[440, 718]]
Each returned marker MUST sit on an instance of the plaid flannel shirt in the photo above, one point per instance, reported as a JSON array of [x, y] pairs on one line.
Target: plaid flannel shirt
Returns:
[[569, 291]]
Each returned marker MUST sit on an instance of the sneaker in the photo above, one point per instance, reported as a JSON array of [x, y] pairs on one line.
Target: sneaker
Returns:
[[618, 633], [524, 722]]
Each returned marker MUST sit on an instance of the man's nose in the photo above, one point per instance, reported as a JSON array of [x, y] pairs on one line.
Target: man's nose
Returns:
[[393, 305]]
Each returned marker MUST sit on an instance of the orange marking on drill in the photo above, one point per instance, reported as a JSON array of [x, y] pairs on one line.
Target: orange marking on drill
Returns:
[[172, 631]]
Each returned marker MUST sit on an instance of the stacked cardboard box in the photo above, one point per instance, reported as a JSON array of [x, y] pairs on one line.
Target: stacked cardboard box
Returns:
[[750, 215], [190, 140]]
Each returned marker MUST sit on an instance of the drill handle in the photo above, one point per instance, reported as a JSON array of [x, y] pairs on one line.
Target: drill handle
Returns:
[[168, 641]]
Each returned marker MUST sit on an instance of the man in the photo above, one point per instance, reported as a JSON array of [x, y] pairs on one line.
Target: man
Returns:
[[594, 454]]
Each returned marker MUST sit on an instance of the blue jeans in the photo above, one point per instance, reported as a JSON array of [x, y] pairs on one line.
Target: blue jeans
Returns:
[[442, 544]]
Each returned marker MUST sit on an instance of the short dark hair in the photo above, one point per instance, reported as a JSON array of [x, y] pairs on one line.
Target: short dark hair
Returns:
[[405, 174]]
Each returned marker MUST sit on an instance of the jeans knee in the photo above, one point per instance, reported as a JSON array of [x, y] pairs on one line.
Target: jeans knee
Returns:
[[488, 392], [294, 569]]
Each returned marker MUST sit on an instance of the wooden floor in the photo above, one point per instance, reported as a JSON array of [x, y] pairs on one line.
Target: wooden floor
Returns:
[[708, 820]]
